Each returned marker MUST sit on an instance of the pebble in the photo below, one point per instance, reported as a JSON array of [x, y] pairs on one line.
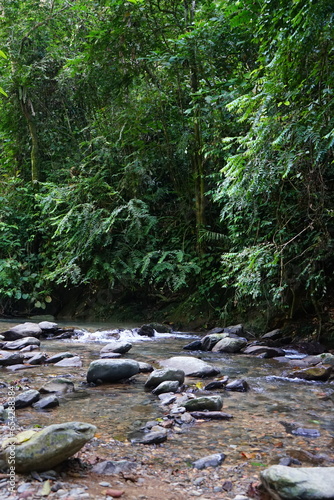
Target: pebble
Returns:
[[105, 484]]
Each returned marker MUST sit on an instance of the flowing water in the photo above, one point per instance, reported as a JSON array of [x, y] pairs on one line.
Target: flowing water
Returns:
[[119, 410]]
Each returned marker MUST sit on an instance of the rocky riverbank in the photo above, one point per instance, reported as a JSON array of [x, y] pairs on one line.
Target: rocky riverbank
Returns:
[[191, 393]]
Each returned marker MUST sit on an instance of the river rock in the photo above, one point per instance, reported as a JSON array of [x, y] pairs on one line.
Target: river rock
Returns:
[[154, 437], [49, 447], [319, 372], [110, 355], [209, 461], [145, 367], [117, 346], [211, 415], [211, 403], [111, 467], [196, 345], [264, 351], [111, 370], [48, 326], [38, 359], [146, 331], [238, 385], [74, 362], [58, 357], [210, 340], [24, 330], [163, 375], [192, 367], [26, 398], [326, 358], [230, 344], [47, 402], [167, 386], [287, 483], [21, 343], [217, 384], [11, 358], [58, 386]]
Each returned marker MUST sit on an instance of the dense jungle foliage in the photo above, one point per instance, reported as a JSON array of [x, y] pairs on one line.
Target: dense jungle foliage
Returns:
[[167, 152]]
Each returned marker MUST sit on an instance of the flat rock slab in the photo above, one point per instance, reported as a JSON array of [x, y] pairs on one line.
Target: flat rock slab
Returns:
[[110, 467], [48, 402], [211, 415], [74, 362], [264, 351], [58, 386], [287, 483], [192, 367], [58, 357]]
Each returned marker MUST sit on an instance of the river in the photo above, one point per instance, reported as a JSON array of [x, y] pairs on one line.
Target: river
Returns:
[[257, 433]]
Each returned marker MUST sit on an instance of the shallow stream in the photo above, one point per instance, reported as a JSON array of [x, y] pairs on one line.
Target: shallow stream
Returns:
[[255, 433]]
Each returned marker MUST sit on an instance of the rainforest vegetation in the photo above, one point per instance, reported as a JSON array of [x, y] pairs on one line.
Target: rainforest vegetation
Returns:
[[168, 154]]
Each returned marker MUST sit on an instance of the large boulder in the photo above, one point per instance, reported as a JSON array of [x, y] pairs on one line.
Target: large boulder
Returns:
[[24, 330], [111, 370], [230, 344], [192, 367], [48, 448], [290, 483], [164, 375]]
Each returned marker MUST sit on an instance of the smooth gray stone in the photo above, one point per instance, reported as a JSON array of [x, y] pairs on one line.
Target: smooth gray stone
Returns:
[[111, 370], [118, 346], [268, 352], [167, 386], [209, 461], [11, 358], [110, 467], [230, 344], [192, 367], [306, 483], [163, 375], [58, 386], [24, 330], [238, 385], [47, 402], [154, 437], [21, 343], [58, 357], [26, 398], [38, 358], [74, 362]]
